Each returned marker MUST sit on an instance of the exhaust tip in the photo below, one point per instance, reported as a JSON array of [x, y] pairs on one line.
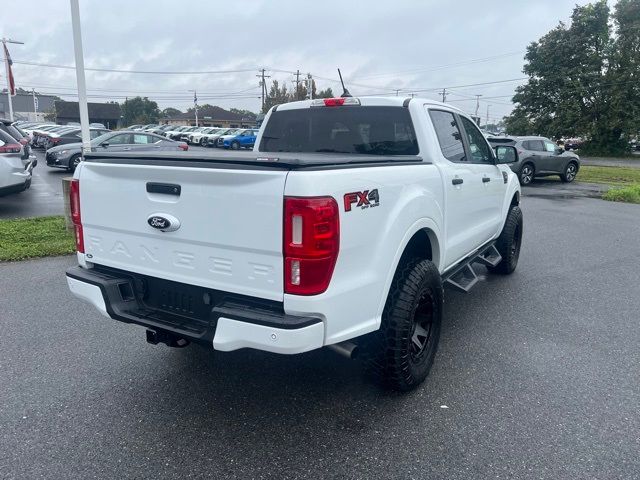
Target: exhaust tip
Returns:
[[346, 349]]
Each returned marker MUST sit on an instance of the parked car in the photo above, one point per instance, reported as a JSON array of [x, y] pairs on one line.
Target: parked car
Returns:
[[160, 129], [19, 136], [97, 125], [71, 136], [341, 232], [175, 133], [40, 136], [184, 136], [233, 134], [200, 137], [573, 143], [540, 157], [213, 138], [15, 175], [245, 139], [69, 156]]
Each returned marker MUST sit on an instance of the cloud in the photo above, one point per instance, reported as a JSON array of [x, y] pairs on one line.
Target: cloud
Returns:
[[363, 38]]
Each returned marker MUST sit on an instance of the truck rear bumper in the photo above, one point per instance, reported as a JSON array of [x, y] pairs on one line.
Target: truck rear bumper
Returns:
[[225, 321]]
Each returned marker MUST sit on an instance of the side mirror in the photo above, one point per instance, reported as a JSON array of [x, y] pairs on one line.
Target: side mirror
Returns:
[[559, 150], [104, 144], [506, 154]]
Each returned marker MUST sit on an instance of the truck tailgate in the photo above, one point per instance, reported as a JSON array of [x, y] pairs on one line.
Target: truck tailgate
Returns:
[[230, 224]]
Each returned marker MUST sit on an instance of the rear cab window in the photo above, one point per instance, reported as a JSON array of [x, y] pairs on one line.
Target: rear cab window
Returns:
[[362, 130]]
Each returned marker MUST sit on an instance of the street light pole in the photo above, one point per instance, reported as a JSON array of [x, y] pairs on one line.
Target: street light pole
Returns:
[[8, 72], [82, 86]]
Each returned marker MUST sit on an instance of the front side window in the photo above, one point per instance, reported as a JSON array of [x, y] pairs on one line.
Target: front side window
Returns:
[[478, 147], [550, 146], [374, 130], [448, 134], [123, 139]]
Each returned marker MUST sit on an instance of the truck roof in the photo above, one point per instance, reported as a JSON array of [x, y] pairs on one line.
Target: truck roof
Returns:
[[372, 101]]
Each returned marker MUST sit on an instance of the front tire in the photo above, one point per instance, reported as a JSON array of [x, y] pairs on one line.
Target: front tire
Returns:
[[570, 172], [235, 146], [526, 174], [509, 242], [74, 162], [400, 354], [203, 142]]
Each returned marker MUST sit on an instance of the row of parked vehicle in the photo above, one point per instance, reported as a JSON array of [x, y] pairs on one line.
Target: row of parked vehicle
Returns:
[[16, 160], [229, 138]]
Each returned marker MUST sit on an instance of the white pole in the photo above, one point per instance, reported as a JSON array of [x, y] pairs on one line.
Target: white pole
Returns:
[[82, 87], [195, 103], [6, 69], [35, 105]]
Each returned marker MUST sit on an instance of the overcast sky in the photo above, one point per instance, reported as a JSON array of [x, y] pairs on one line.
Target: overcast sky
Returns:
[[412, 45]]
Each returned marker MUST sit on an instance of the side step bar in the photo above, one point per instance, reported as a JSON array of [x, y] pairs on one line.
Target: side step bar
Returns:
[[463, 277]]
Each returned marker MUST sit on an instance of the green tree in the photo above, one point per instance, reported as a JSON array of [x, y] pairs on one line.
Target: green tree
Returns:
[[575, 78], [140, 110], [170, 112], [276, 96], [279, 94], [244, 113]]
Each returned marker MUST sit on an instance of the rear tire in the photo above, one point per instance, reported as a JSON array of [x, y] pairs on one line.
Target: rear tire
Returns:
[[570, 172], [400, 354], [509, 242]]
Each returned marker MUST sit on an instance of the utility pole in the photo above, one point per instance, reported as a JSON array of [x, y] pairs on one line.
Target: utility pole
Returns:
[[263, 84], [444, 95], [297, 81], [397, 91], [195, 104], [487, 122], [7, 66], [80, 80], [477, 104], [35, 105], [309, 86]]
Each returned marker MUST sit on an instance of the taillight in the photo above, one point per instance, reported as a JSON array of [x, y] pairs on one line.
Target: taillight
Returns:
[[311, 243], [74, 203], [55, 140], [11, 148], [183, 146]]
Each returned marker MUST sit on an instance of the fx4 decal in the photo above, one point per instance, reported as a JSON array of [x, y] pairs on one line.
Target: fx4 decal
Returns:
[[366, 199]]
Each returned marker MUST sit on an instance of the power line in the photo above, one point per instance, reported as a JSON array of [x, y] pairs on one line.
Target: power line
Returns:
[[145, 72]]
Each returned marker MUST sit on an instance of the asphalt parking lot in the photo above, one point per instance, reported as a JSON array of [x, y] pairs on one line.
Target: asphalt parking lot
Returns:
[[536, 377], [44, 198]]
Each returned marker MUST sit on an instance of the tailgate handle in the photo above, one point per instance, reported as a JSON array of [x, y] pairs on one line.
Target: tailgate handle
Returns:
[[166, 188]]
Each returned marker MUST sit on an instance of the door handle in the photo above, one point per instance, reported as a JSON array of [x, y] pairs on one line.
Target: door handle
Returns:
[[457, 181], [486, 179], [126, 148]]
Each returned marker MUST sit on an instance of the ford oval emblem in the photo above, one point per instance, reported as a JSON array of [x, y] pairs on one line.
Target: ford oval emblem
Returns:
[[163, 222]]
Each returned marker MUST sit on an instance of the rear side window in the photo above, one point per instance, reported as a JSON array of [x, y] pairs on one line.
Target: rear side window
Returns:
[[352, 129], [449, 135], [535, 145]]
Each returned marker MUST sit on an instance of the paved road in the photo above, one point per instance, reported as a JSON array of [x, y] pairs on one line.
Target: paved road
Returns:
[[539, 372]]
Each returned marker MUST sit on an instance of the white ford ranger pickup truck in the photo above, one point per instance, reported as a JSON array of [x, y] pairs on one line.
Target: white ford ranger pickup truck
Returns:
[[340, 229]]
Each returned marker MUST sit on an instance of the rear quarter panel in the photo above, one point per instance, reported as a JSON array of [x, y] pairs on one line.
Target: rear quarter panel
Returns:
[[371, 239]]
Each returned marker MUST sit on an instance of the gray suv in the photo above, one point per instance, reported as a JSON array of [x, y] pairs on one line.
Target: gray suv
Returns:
[[540, 157]]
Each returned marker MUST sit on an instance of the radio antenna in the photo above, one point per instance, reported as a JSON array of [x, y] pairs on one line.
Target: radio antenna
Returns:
[[345, 92]]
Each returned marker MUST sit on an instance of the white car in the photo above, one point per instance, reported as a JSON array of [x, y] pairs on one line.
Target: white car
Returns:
[[341, 231], [201, 137], [176, 133], [15, 176]]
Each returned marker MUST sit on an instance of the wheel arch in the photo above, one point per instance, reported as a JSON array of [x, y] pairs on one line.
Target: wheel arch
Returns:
[[422, 240]]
